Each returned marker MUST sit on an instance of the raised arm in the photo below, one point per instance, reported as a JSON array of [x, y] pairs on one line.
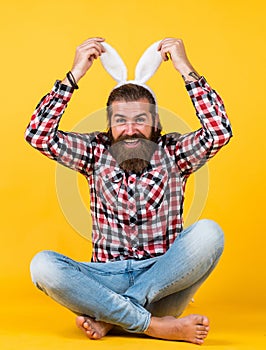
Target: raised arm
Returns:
[[174, 49], [70, 149], [86, 53], [194, 149]]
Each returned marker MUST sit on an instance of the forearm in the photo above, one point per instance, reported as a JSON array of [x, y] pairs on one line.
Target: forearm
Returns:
[[196, 148], [172, 48], [43, 126], [208, 104], [211, 112], [73, 150], [188, 73]]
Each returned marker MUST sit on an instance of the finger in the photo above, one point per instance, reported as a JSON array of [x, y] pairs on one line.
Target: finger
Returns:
[[98, 39], [165, 47], [160, 45], [166, 41], [93, 54], [92, 50], [170, 43], [92, 44], [165, 54], [99, 47]]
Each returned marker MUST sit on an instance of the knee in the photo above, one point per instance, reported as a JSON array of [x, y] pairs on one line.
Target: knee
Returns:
[[42, 268], [212, 233]]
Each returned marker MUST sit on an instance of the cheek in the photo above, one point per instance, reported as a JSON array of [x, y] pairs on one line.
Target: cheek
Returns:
[[146, 131], [117, 131]]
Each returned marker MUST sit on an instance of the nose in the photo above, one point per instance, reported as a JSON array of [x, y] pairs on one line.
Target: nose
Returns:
[[130, 128]]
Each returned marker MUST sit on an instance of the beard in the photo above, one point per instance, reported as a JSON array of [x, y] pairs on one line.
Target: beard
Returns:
[[133, 159]]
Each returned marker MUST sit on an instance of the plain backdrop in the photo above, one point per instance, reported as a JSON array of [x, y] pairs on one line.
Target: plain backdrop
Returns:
[[225, 42]]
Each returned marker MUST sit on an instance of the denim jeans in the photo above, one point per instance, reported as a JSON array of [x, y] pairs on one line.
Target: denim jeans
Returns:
[[127, 293]]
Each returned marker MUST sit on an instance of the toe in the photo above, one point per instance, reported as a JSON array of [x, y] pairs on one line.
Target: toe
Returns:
[[86, 325], [80, 321], [202, 334], [205, 321], [199, 341]]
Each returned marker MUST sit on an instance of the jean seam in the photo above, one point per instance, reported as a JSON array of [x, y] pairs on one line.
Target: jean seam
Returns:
[[214, 260]]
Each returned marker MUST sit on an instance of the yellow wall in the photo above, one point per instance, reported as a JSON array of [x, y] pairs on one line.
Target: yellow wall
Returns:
[[225, 42]]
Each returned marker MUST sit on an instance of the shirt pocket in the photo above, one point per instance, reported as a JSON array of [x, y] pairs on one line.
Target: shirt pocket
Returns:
[[108, 182], [153, 191]]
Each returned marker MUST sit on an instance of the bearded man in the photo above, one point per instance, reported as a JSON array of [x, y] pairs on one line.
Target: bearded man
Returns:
[[145, 267]]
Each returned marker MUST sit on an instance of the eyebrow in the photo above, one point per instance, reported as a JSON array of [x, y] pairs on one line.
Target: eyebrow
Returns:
[[135, 116]]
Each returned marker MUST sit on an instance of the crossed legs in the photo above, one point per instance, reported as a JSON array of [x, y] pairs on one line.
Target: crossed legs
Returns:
[[103, 295]]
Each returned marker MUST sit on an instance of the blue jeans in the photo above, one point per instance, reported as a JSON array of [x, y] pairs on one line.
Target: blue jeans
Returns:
[[127, 293]]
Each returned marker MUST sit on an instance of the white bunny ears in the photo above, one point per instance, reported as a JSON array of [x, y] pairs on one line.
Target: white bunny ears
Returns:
[[145, 68]]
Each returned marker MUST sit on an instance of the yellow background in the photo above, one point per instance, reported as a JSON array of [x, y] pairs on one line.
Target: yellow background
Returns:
[[225, 42]]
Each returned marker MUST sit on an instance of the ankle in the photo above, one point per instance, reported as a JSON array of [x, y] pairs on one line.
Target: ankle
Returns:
[[157, 323]]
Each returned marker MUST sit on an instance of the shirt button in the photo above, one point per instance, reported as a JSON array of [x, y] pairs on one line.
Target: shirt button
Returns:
[[131, 206], [135, 246]]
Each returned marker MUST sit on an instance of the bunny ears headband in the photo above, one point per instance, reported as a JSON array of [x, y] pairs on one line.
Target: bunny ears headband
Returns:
[[145, 68]]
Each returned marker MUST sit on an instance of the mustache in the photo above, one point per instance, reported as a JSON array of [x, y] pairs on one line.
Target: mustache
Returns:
[[133, 159], [130, 137]]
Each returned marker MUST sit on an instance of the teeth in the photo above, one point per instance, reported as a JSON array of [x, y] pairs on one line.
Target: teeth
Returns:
[[131, 141]]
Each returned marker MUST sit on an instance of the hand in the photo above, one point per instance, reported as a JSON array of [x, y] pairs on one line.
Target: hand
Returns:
[[86, 53], [176, 50]]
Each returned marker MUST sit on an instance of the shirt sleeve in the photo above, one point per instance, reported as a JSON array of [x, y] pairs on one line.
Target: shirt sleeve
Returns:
[[73, 150], [192, 150]]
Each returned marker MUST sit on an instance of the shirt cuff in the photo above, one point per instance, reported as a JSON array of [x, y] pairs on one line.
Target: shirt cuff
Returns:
[[62, 91], [198, 87]]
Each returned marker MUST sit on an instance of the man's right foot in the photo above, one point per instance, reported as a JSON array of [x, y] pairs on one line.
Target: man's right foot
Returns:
[[93, 329], [192, 328]]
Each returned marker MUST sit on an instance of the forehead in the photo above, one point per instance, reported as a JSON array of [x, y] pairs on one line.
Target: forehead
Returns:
[[131, 108]]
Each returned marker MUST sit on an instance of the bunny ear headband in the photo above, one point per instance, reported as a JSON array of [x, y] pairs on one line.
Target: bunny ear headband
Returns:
[[145, 68]]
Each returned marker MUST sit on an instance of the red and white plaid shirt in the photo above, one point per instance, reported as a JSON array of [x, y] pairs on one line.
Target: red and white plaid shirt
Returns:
[[134, 216]]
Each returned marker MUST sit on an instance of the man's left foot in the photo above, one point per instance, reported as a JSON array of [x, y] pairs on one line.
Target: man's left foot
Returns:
[[192, 328], [93, 329]]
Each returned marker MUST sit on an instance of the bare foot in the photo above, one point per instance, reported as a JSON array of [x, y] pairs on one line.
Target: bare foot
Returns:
[[93, 329], [192, 328]]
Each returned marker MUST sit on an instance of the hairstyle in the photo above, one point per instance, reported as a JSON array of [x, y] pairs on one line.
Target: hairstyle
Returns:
[[129, 93]]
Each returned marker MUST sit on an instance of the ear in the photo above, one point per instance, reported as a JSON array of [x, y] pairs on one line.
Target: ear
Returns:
[[113, 63], [148, 63]]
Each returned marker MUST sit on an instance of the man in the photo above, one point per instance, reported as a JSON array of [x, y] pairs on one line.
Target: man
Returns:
[[145, 267]]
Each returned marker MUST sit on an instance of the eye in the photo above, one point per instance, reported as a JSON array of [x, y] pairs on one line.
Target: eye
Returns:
[[140, 120], [120, 121]]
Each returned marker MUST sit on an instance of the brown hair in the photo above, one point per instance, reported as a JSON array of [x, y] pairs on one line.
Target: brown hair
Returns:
[[128, 93]]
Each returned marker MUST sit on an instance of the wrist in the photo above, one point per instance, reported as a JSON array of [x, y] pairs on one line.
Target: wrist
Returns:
[[70, 80], [76, 75], [66, 82], [188, 73], [191, 77]]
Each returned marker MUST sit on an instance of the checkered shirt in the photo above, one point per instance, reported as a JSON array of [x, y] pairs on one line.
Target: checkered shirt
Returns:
[[134, 216]]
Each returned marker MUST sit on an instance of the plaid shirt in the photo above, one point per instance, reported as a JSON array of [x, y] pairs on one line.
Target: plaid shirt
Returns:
[[134, 216]]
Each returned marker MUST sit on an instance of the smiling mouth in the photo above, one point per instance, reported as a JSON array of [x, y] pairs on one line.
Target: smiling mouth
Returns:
[[131, 142]]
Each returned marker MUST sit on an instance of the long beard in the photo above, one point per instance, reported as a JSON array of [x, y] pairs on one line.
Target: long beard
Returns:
[[135, 159]]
